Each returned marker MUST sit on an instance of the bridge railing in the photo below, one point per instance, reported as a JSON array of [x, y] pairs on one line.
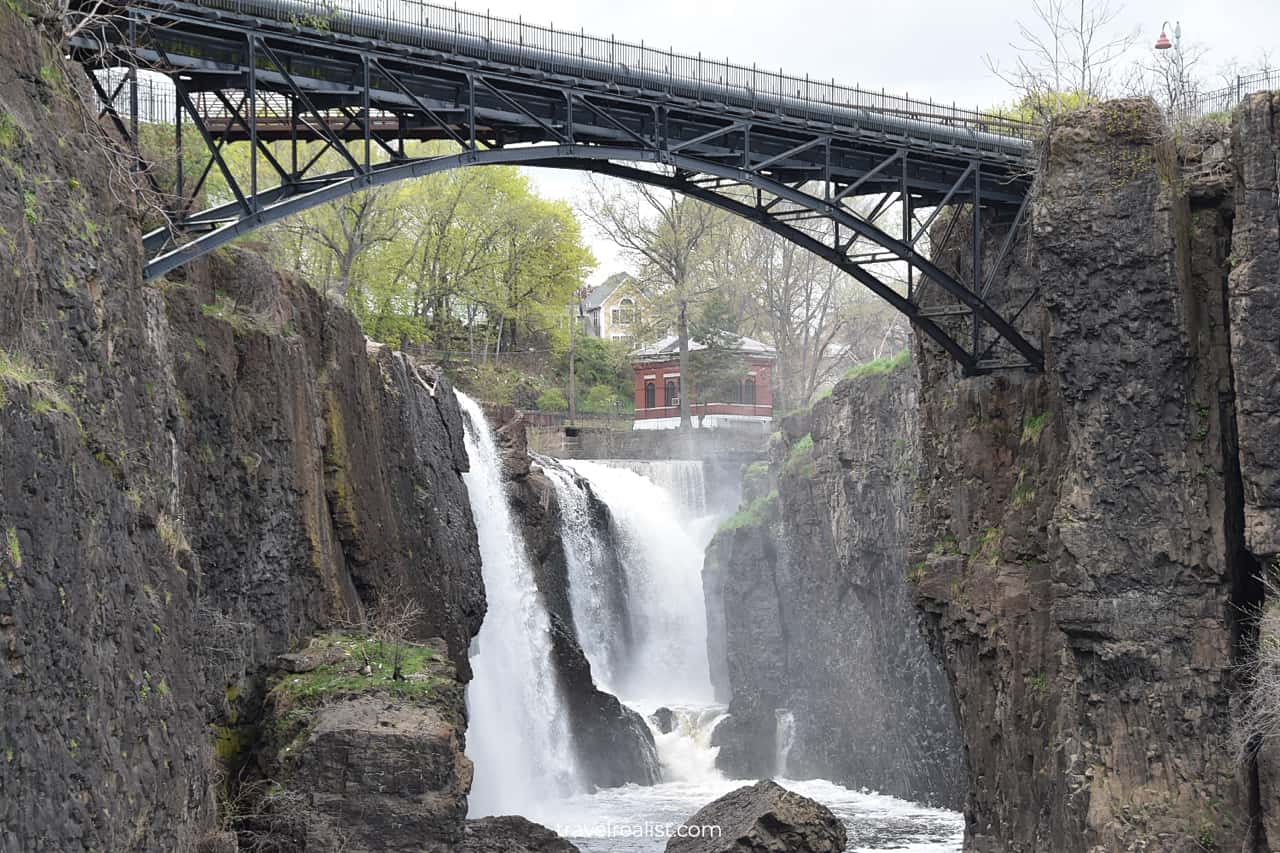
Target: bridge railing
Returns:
[[1227, 98], [157, 103], [612, 61]]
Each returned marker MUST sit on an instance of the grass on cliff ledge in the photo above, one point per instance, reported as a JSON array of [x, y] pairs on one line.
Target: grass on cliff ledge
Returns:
[[17, 370], [751, 515], [799, 461], [419, 666], [367, 666], [888, 364]]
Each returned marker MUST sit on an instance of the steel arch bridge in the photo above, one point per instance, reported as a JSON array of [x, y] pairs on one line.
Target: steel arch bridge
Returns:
[[365, 78]]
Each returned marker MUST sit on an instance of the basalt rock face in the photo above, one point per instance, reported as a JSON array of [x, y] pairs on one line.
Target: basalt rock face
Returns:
[[1080, 542], [195, 476], [828, 666], [1253, 307], [614, 744]]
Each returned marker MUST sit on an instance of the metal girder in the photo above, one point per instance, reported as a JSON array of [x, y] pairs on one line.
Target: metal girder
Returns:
[[798, 182]]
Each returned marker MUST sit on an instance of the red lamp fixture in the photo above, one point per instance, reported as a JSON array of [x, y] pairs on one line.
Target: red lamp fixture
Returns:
[[1163, 42]]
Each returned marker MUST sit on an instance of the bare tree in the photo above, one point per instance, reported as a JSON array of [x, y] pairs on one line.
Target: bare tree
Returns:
[[667, 237], [1067, 56], [1170, 77], [796, 300]]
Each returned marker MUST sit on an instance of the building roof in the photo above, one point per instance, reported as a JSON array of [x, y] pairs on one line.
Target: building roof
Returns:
[[596, 298], [670, 345]]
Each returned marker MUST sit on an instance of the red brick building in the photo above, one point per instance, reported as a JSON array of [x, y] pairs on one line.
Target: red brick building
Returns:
[[656, 369]]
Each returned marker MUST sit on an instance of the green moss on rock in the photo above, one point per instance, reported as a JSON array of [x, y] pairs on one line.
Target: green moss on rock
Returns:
[[363, 665]]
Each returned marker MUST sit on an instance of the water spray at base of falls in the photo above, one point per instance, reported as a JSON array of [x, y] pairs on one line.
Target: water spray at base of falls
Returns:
[[685, 752], [518, 734]]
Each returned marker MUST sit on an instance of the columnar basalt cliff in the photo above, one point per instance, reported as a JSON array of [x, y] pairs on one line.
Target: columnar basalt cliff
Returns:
[[824, 649], [197, 476], [1088, 540], [1253, 308]]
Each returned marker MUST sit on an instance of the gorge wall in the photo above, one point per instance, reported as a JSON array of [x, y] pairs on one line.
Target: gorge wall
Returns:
[[808, 603], [196, 476], [1087, 541]]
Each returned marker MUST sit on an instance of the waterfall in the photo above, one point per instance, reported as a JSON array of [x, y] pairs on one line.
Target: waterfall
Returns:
[[597, 587], [659, 541], [683, 479], [785, 738], [685, 752], [518, 734]]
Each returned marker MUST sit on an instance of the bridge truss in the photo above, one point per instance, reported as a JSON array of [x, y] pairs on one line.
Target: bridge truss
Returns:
[[823, 166]]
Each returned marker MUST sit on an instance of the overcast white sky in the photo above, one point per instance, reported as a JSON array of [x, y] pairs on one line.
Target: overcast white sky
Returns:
[[926, 48]]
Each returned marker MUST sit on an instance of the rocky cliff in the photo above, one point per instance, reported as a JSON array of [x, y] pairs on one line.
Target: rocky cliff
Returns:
[[828, 667], [1088, 540], [196, 475]]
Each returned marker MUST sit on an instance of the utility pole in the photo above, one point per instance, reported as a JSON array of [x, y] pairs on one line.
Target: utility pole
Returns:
[[573, 379]]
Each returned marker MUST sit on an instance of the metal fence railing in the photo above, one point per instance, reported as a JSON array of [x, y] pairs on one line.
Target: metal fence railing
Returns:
[[609, 60], [1229, 97]]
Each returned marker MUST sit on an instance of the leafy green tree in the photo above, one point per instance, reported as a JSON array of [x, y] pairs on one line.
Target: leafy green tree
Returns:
[[468, 261], [553, 400], [600, 362], [601, 399]]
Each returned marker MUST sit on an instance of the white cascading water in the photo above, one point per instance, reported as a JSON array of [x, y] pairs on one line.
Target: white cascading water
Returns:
[[681, 478], [685, 752], [661, 542], [590, 591], [518, 735], [785, 738]]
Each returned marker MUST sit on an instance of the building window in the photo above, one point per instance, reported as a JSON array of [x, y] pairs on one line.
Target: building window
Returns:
[[650, 395], [749, 392], [624, 314], [671, 393]]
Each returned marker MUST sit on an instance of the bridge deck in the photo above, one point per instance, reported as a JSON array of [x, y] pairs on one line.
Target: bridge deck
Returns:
[[621, 66]]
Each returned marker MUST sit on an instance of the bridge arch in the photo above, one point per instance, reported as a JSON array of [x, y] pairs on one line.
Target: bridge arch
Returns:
[[277, 204], [248, 71]]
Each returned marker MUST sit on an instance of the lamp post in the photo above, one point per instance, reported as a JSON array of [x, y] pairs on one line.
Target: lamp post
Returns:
[[1163, 43], [1178, 96]]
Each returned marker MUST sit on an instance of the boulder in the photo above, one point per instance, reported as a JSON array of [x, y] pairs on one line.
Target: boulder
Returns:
[[664, 719], [361, 760], [763, 818], [512, 834]]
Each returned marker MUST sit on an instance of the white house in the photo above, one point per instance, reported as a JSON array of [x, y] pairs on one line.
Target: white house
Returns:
[[611, 310]]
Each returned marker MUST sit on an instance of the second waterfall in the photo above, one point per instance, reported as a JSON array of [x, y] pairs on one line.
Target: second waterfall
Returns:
[[518, 733]]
